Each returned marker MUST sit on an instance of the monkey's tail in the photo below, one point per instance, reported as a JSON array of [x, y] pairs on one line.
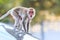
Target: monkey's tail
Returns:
[[5, 15]]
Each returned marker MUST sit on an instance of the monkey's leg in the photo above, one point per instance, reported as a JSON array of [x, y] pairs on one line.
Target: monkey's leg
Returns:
[[16, 24], [20, 25], [24, 26]]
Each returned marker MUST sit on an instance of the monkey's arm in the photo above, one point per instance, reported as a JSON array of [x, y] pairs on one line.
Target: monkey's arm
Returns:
[[27, 26]]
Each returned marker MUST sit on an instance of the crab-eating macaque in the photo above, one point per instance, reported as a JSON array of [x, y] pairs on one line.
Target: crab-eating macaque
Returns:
[[20, 15]]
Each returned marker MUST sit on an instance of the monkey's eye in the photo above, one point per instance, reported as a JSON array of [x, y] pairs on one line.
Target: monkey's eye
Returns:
[[30, 12]]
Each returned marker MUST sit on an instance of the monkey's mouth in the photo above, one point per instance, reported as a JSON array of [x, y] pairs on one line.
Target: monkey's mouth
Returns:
[[30, 15]]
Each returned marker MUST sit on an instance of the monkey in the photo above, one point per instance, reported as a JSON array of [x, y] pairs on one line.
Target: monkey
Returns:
[[20, 14]]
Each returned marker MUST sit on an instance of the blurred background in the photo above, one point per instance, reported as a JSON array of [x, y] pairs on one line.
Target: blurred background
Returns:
[[46, 23]]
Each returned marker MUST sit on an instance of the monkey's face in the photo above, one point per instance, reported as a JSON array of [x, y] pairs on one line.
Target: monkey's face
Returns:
[[31, 13]]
